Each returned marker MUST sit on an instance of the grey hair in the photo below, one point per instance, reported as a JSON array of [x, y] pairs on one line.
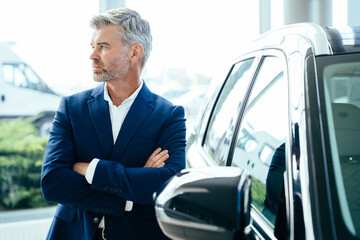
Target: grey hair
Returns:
[[132, 28]]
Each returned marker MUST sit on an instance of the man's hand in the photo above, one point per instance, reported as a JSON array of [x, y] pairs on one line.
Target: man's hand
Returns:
[[81, 167], [157, 159]]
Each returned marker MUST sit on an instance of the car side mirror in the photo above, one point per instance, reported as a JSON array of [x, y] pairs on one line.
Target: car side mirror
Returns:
[[205, 203]]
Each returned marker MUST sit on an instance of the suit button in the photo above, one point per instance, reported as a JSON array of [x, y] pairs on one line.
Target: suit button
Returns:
[[96, 220]]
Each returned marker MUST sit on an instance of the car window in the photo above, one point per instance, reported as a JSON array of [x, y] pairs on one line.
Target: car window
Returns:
[[341, 78], [21, 75], [260, 144], [223, 120]]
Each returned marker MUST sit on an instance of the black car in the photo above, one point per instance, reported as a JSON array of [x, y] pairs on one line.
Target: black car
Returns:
[[276, 151]]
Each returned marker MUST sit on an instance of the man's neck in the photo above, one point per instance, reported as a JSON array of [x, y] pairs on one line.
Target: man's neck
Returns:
[[121, 90]]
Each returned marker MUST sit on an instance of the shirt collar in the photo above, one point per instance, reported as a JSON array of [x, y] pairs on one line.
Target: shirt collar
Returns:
[[129, 100]]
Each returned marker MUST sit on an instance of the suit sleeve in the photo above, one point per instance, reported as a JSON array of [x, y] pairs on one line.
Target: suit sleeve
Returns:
[[139, 184], [60, 183]]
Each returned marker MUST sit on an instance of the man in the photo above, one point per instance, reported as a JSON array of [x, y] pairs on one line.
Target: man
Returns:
[[103, 161]]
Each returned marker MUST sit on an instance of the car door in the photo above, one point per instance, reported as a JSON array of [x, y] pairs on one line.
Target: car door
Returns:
[[259, 145]]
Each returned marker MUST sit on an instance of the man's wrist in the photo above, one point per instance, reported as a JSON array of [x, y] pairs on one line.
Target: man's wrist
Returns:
[[91, 170]]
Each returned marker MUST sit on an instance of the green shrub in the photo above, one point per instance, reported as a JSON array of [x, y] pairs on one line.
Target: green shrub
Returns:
[[21, 154]]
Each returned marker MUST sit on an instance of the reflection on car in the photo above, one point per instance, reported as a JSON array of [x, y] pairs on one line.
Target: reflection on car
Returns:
[[286, 115]]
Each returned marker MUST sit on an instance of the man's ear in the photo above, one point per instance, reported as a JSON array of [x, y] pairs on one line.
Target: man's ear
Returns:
[[136, 52]]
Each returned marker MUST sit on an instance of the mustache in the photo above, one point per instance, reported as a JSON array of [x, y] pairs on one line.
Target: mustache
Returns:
[[100, 64]]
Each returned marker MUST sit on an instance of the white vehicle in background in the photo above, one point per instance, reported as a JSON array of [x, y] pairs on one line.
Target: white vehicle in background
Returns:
[[23, 93]]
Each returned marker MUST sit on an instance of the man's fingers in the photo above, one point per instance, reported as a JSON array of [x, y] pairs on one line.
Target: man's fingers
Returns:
[[161, 158], [161, 155], [150, 160], [156, 158], [156, 152]]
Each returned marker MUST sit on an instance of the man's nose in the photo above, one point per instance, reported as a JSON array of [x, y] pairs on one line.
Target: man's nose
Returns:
[[94, 55]]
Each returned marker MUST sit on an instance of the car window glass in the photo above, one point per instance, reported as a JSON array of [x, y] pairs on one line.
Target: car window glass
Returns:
[[34, 80], [14, 76], [260, 147], [342, 99], [223, 119], [21, 75]]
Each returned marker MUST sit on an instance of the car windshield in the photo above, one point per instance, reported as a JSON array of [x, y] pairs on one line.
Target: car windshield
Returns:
[[340, 76]]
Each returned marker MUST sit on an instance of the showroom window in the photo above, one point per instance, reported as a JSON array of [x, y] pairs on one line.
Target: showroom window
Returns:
[[262, 131], [223, 120]]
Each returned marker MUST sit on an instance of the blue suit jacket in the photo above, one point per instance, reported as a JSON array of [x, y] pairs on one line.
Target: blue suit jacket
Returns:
[[82, 131]]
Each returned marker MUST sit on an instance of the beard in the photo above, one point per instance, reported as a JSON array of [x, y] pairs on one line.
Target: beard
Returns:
[[102, 77], [115, 69]]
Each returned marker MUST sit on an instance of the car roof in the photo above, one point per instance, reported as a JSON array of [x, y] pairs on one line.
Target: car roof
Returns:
[[322, 40]]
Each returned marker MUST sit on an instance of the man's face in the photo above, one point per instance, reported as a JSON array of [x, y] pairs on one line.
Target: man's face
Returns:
[[110, 58]]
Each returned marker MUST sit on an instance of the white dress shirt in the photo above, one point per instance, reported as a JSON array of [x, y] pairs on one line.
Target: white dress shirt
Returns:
[[117, 116]]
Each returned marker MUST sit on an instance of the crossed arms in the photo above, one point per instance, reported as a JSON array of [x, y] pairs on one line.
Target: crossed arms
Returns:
[[63, 178], [156, 160]]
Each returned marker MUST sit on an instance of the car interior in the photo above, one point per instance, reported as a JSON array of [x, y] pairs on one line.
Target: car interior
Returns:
[[347, 131], [342, 93]]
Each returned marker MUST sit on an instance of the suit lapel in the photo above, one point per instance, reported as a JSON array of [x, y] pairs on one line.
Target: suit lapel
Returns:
[[139, 111], [100, 117]]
